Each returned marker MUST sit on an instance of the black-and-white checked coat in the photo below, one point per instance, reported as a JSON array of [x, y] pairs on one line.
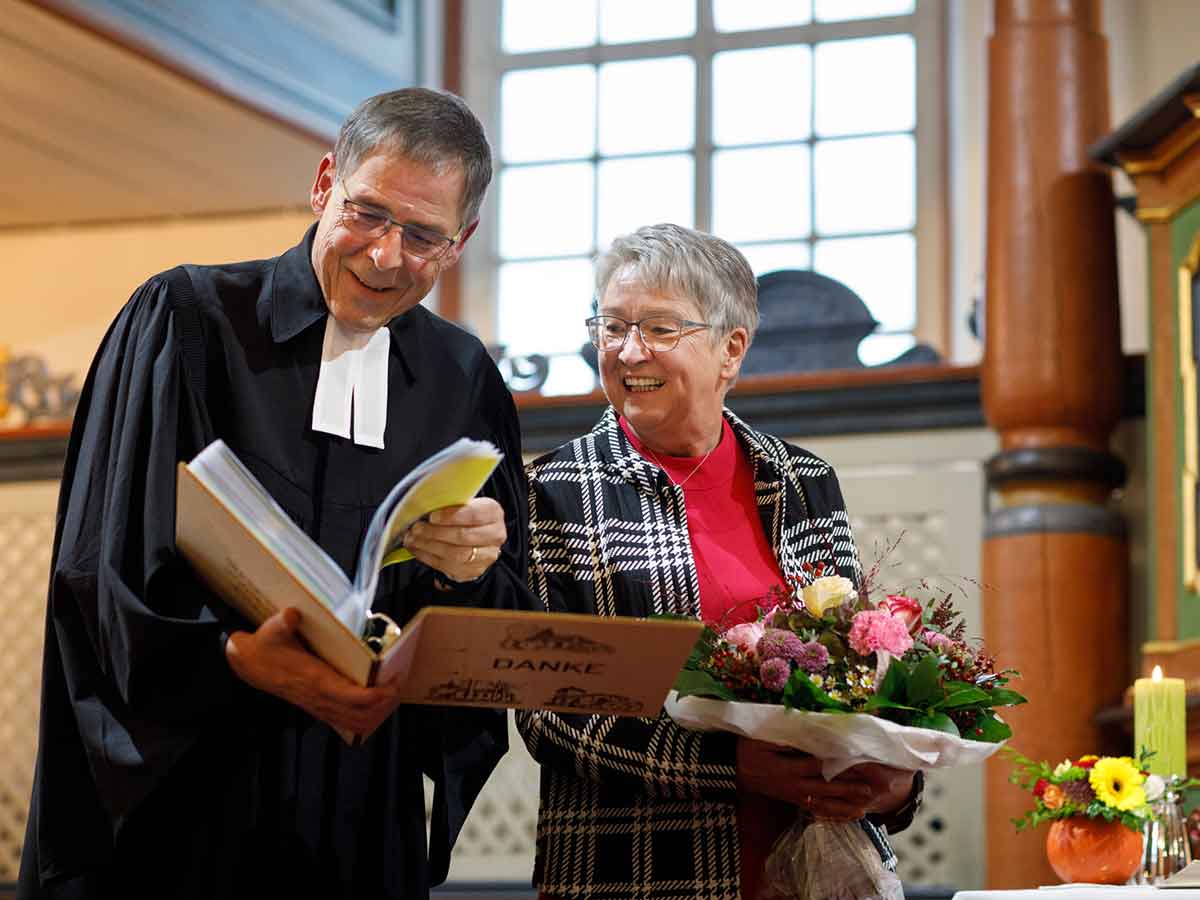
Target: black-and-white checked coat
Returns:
[[640, 807]]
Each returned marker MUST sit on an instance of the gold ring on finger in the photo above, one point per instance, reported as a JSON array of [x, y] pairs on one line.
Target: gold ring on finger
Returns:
[[474, 553]]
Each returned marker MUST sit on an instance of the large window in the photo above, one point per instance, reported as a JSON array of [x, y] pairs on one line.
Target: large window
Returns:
[[807, 132]]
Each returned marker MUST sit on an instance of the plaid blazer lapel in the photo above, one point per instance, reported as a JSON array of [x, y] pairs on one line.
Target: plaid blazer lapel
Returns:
[[771, 492]]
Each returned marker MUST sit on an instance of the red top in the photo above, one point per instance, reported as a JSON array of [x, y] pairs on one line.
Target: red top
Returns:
[[736, 569], [734, 561]]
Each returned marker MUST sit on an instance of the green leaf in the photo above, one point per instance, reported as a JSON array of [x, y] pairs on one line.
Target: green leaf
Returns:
[[955, 686], [702, 650], [937, 721], [895, 682], [878, 701], [923, 682], [801, 693], [991, 729], [966, 697], [831, 642], [1004, 697], [694, 683]]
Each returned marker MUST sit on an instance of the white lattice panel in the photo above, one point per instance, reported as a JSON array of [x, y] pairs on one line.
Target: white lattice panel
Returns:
[[26, 533], [497, 841]]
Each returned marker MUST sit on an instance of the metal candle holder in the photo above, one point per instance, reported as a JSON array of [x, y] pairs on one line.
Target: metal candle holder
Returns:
[[1165, 846]]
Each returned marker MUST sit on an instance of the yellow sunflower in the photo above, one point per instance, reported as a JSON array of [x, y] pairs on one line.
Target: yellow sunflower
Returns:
[[1117, 783]]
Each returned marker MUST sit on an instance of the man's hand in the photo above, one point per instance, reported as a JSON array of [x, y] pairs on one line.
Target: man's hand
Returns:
[[461, 542], [274, 659], [795, 778]]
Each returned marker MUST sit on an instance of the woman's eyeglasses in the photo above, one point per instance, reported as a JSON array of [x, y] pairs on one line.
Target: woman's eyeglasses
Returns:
[[659, 334]]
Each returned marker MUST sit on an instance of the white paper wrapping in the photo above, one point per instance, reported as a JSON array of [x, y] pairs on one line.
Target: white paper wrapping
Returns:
[[840, 740]]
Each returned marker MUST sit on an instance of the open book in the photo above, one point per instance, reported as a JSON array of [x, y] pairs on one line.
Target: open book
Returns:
[[248, 550]]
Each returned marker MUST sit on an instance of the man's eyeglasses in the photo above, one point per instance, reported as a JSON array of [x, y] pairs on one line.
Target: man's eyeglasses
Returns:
[[371, 224], [659, 334]]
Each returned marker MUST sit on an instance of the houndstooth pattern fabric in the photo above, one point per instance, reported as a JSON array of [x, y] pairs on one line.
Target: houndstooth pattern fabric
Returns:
[[640, 807]]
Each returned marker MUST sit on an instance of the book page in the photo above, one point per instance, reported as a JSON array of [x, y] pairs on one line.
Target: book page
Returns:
[[448, 478], [218, 469]]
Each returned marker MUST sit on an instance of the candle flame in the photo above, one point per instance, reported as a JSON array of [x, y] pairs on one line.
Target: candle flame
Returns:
[[1157, 674]]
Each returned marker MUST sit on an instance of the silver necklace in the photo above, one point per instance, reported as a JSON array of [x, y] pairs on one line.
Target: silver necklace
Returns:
[[689, 474]]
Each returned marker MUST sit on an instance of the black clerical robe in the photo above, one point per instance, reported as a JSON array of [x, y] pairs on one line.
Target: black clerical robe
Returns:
[[158, 770]]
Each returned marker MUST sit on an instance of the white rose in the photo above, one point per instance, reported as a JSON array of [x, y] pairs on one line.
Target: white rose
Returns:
[[1061, 768], [1154, 787], [826, 593]]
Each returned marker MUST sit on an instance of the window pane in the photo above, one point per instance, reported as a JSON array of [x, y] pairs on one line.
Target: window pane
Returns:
[[764, 258], [882, 270], [761, 194], [629, 121], [569, 374], [546, 210], [542, 305], [623, 21], [848, 102], [644, 191], [845, 10], [529, 97], [738, 15], [749, 107], [547, 24], [876, 349], [865, 184]]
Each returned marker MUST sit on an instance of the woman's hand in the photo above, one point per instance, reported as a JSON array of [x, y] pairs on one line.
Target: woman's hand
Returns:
[[891, 787], [795, 778]]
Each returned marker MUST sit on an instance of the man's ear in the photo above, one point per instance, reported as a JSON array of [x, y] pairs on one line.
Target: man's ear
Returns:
[[733, 351], [451, 256], [322, 188]]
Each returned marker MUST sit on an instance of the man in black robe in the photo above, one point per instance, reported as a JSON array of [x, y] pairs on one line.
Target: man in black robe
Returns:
[[181, 754]]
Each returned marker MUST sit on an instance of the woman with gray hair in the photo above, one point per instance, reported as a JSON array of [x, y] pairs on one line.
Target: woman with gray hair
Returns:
[[672, 504]]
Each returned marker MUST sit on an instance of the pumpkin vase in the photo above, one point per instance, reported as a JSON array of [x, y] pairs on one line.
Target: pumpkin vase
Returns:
[[1093, 851]]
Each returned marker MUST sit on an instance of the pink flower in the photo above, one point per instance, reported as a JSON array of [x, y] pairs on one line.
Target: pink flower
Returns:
[[878, 629], [936, 640], [775, 673], [813, 657], [745, 636], [904, 608], [779, 643]]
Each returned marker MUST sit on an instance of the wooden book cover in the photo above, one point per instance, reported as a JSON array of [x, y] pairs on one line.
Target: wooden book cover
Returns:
[[534, 660]]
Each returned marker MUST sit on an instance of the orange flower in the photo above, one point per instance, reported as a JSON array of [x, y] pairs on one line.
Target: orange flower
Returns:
[[1053, 796]]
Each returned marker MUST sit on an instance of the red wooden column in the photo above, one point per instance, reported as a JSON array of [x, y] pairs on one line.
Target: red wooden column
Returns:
[[1054, 554]]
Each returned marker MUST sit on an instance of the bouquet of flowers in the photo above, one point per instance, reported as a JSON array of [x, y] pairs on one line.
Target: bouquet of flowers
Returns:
[[1112, 788], [826, 671], [1110, 801]]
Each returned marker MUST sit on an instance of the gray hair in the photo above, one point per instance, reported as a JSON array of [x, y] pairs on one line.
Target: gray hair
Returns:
[[688, 264], [435, 128]]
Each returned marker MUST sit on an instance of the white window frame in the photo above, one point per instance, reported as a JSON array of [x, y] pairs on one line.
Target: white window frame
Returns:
[[485, 64]]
